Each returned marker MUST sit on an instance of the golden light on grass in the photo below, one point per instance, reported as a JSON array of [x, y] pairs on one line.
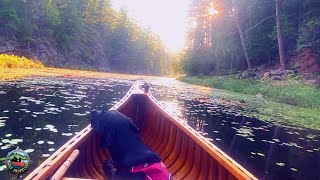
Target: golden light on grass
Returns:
[[15, 62]]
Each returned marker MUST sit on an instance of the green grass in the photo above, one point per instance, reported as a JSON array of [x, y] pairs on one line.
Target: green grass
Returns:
[[289, 92], [270, 111]]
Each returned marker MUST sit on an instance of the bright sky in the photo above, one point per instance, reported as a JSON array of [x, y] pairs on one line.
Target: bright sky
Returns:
[[167, 18]]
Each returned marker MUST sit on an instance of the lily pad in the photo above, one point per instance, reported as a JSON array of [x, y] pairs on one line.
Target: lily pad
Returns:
[[17, 140], [5, 140], [5, 147], [3, 167], [29, 150], [8, 135], [311, 136], [276, 140], [66, 134], [280, 164], [45, 155], [294, 169]]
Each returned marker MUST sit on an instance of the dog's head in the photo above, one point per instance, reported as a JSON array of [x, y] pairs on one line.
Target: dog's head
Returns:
[[109, 123]]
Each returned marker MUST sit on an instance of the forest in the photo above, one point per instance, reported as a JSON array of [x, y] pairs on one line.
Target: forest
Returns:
[[224, 37], [81, 34], [246, 34]]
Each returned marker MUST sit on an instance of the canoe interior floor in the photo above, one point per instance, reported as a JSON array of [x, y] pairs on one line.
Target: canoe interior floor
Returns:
[[182, 155]]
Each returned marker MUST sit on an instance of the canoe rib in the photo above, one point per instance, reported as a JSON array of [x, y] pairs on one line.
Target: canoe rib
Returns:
[[186, 153]]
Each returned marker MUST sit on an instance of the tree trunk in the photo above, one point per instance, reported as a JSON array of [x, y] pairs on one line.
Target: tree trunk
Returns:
[[280, 38], [241, 34]]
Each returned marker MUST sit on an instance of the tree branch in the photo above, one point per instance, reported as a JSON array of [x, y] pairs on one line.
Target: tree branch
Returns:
[[254, 25], [259, 23]]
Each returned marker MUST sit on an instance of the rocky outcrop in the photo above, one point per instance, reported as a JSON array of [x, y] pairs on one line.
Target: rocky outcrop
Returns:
[[264, 74], [8, 47], [277, 74], [254, 73]]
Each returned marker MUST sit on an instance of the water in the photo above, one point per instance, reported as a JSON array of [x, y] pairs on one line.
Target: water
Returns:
[[41, 114], [266, 150]]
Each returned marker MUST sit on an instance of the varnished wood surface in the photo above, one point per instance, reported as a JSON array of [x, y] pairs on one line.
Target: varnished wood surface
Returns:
[[185, 152]]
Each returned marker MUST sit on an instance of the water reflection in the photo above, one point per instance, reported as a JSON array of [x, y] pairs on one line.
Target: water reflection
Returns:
[[267, 150], [40, 115]]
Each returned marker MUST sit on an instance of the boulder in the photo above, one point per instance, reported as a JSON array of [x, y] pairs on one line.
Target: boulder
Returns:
[[266, 75], [289, 72], [259, 96], [277, 78], [3, 49], [9, 47], [276, 72], [238, 76], [312, 82]]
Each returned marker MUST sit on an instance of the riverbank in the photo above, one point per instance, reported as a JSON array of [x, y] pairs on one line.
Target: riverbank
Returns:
[[12, 74], [290, 92], [262, 108], [281, 102], [14, 67]]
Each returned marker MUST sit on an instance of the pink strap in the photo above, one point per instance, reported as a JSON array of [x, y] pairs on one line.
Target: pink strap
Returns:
[[156, 171]]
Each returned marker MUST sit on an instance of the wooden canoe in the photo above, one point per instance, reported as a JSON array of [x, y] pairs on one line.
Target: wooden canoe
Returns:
[[186, 153]]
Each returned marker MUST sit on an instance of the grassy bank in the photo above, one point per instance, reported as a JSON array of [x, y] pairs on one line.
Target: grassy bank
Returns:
[[9, 63], [270, 111], [15, 62], [286, 103], [289, 92]]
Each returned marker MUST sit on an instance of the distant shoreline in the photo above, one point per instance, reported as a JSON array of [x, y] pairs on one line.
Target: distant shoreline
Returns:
[[12, 74]]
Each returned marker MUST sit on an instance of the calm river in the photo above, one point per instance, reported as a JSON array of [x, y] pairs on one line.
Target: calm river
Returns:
[[41, 114]]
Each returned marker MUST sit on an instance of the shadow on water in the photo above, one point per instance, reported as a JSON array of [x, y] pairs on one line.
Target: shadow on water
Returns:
[[39, 115]]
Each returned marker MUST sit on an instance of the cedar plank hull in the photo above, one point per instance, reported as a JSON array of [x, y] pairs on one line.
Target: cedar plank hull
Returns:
[[185, 152]]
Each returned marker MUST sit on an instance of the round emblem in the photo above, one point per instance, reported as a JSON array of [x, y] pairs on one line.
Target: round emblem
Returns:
[[17, 161]]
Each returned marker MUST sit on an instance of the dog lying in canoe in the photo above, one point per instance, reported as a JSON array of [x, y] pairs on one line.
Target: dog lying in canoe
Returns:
[[131, 158]]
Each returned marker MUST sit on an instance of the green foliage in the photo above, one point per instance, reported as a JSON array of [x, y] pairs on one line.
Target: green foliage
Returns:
[[313, 24], [288, 92], [176, 64], [52, 12], [85, 33], [9, 17], [14, 62], [217, 38]]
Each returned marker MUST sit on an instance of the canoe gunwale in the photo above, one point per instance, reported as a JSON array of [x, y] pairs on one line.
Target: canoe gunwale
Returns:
[[225, 160], [49, 166], [57, 158]]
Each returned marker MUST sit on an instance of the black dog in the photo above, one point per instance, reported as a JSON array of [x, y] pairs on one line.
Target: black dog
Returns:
[[120, 136]]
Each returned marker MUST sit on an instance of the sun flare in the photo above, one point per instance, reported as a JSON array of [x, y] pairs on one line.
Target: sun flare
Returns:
[[166, 18], [213, 11]]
